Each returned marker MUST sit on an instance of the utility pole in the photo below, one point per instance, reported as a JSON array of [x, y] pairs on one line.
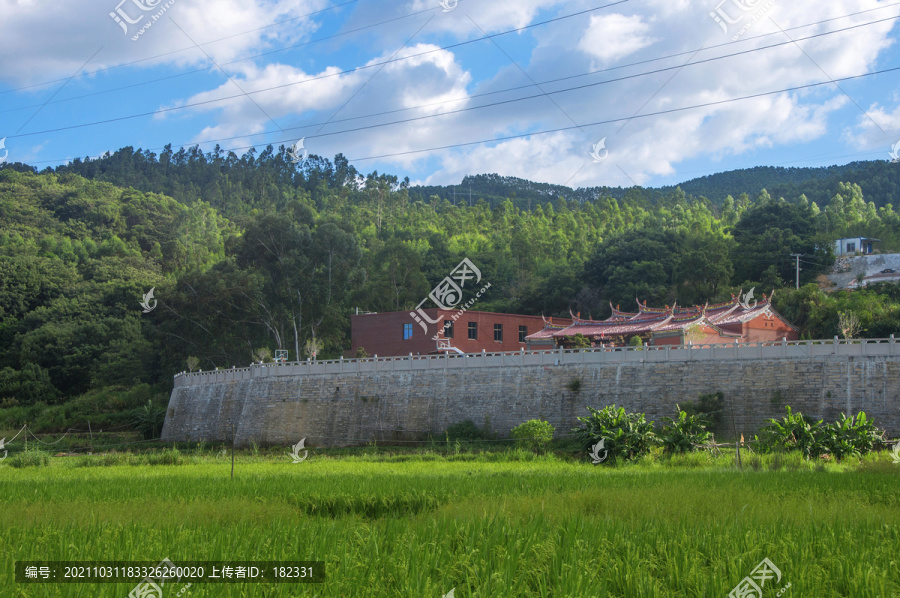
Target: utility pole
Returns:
[[797, 255]]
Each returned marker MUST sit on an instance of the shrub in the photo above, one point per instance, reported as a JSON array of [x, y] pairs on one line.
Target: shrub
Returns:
[[793, 432], [27, 386], [579, 341], [30, 458], [466, 430], [150, 419], [711, 406], [627, 435], [852, 436], [534, 434], [683, 434]]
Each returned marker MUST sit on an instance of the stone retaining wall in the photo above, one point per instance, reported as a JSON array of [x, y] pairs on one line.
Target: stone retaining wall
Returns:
[[334, 409]]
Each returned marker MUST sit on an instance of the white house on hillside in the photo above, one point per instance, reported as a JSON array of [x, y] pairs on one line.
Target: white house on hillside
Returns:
[[854, 245]]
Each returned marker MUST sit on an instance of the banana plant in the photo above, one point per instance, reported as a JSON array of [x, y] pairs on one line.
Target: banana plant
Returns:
[[626, 435], [684, 434]]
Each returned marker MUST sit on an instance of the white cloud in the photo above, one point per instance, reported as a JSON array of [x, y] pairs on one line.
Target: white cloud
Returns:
[[655, 146], [42, 42], [331, 101], [877, 129], [614, 36], [470, 17], [38, 46]]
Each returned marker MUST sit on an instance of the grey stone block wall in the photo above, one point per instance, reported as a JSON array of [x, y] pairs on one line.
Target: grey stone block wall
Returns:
[[357, 408]]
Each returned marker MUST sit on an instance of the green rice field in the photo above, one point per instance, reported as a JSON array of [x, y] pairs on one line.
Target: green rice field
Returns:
[[501, 524]]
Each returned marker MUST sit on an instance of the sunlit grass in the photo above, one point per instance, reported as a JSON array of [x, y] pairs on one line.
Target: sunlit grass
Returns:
[[499, 524]]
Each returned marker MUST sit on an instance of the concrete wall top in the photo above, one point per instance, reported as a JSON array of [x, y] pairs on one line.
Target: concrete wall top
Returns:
[[598, 356]]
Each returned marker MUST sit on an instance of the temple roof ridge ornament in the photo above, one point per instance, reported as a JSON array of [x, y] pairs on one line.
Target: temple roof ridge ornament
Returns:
[[719, 319], [663, 323]]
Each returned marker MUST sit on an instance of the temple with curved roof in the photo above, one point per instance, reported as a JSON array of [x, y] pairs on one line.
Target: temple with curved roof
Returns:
[[741, 321]]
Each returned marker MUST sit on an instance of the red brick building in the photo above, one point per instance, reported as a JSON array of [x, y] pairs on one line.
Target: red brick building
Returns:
[[400, 333], [722, 323]]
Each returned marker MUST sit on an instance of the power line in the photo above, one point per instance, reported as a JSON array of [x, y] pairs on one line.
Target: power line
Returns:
[[568, 89], [662, 112], [412, 119], [230, 78], [124, 64], [203, 70], [334, 74], [613, 68]]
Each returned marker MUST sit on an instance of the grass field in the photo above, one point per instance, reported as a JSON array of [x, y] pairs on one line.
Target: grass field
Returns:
[[504, 524]]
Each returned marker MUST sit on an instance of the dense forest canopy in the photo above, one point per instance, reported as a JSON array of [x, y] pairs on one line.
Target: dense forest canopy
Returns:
[[255, 251]]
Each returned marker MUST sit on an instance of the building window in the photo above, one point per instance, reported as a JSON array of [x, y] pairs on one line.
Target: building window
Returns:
[[407, 331], [448, 328], [523, 332], [851, 247], [473, 331], [498, 332]]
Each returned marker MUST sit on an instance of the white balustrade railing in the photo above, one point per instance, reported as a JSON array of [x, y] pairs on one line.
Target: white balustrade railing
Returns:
[[554, 357]]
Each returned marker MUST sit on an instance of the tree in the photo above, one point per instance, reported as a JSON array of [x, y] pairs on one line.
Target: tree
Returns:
[[703, 268], [396, 281], [769, 232], [579, 341], [849, 324], [313, 346], [637, 264], [534, 434], [693, 334], [262, 355]]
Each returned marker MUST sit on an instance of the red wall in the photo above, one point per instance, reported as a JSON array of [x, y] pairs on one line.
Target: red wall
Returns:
[[382, 334], [768, 328], [762, 329]]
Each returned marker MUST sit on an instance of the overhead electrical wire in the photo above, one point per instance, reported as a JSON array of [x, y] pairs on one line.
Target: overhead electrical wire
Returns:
[[335, 74], [511, 89], [383, 63], [73, 98], [565, 90], [615, 120], [195, 71], [164, 54], [535, 96]]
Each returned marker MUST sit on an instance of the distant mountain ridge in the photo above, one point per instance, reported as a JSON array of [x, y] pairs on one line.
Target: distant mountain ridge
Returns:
[[879, 180]]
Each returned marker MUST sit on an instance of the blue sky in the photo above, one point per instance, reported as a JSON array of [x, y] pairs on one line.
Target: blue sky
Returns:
[[674, 89]]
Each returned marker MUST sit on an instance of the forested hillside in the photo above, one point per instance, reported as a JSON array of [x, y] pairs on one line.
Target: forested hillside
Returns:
[[254, 252], [879, 182]]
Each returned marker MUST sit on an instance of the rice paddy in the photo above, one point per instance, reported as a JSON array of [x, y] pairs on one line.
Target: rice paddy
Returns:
[[505, 524]]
